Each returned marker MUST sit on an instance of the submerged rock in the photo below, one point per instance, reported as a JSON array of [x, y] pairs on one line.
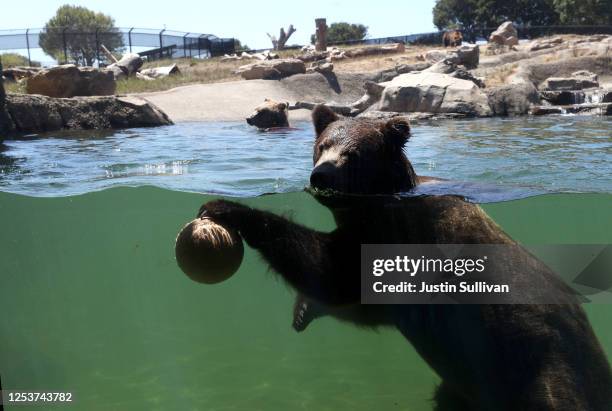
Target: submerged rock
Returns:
[[434, 93], [69, 80], [35, 113]]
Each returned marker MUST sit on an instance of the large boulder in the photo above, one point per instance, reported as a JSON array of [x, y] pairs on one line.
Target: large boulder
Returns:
[[36, 113], [512, 99], [434, 93], [272, 69], [69, 80], [467, 55], [545, 44], [505, 35], [580, 80]]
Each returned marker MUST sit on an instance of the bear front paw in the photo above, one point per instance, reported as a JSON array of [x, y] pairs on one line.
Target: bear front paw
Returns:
[[222, 211]]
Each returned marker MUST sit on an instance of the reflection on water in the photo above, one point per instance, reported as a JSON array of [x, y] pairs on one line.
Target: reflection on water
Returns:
[[492, 158]]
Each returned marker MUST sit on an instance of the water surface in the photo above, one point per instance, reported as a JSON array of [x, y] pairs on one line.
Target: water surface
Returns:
[[520, 156]]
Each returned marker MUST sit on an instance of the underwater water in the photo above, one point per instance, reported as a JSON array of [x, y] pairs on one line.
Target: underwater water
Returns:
[[92, 300]]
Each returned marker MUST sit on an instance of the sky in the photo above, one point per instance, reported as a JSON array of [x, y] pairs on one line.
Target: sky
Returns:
[[247, 20]]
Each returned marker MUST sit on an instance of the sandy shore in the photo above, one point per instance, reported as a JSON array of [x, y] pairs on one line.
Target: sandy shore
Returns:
[[235, 100]]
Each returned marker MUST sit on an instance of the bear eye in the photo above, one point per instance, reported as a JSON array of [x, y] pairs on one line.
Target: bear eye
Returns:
[[321, 146]]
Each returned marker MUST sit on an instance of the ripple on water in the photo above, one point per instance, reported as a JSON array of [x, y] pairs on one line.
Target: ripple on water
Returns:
[[484, 158]]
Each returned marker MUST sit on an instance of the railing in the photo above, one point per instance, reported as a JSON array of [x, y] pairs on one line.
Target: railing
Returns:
[[84, 47]]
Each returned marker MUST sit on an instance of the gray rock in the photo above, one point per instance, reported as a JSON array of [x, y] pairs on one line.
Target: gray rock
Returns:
[[512, 99], [545, 44], [505, 35], [585, 74], [466, 55], [69, 80], [568, 83], [36, 113], [433, 93], [563, 97], [272, 69]]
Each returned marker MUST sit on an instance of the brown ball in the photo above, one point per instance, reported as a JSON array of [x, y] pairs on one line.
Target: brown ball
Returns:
[[208, 252]]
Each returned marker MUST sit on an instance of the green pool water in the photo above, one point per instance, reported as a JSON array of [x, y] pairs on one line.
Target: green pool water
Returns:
[[92, 302]]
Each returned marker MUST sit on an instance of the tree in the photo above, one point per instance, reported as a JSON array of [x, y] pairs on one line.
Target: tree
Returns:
[[587, 12], [238, 46], [78, 27], [344, 32], [471, 14]]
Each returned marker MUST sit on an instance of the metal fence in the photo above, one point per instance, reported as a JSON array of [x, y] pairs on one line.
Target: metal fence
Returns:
[[84, 48]]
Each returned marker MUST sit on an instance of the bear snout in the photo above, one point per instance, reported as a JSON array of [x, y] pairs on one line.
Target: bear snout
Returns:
[[323, 176]]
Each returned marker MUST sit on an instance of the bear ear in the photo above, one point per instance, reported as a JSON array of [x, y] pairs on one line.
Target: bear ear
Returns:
[[322, 116], [397, 131]]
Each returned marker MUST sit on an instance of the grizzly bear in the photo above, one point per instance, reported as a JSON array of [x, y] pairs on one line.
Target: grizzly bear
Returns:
[[489, 357], [452, 38], [270, 114]]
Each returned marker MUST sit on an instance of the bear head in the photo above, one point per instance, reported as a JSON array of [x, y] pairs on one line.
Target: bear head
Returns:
[[269, 114], [360, 156]]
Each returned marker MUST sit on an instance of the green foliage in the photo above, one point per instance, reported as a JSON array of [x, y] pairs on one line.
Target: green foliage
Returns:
[[79, 25], [16, 60], [587, 12], [238, 46], [344, 32], [470, 14]]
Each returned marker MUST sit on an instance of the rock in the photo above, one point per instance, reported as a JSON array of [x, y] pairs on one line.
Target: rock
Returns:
[[69, 80], [272, 69], [585, 74], [568, 83], [466, 75], [433, 56], [19, 73], [545, 44], [36, 113], [160, 72], [591, 109], [270, 114], [129, 65], [390, 74], [544, 110], [466, 55], [564, 97], [375, 50], [512, 99], [505, 35], [321, 66], [433, 93]]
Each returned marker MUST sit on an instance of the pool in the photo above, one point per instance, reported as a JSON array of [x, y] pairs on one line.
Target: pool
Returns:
[[93, 301]]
